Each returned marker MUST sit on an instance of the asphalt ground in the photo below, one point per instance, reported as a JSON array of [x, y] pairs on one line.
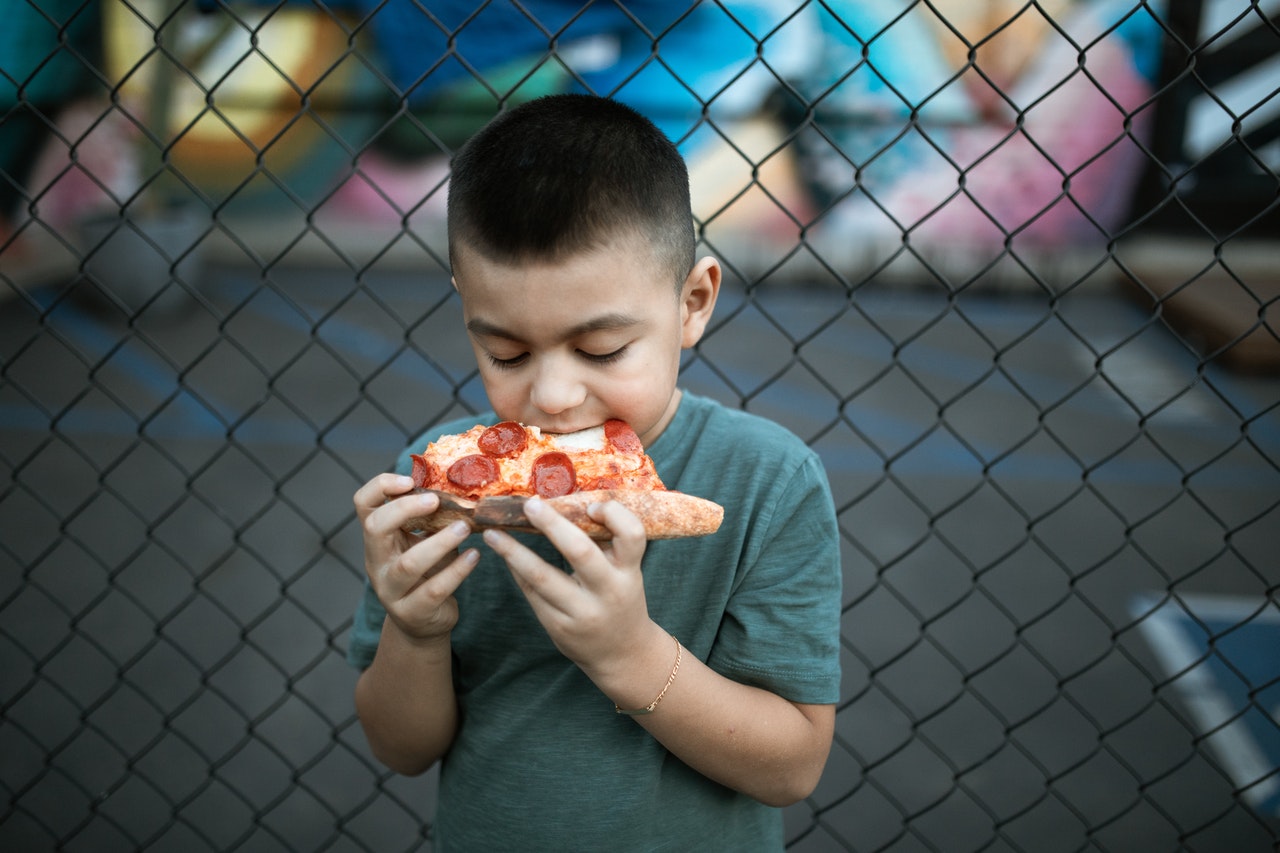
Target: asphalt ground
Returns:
[[1060, 527]]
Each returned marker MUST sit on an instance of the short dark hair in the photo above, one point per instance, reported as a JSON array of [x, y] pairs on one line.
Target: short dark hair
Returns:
[[563, 174]]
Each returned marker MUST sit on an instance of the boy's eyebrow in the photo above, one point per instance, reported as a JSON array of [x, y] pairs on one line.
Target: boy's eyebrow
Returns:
[[604, 323]]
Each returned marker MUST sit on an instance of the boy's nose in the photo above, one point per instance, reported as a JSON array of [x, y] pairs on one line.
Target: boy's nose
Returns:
[[555, 390]]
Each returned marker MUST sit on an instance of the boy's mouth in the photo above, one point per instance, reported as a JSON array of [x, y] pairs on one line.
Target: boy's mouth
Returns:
[[591, 438], [553, 428], [571, 430]]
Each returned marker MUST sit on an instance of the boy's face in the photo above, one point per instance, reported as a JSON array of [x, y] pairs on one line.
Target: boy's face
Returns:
[[567, 345]]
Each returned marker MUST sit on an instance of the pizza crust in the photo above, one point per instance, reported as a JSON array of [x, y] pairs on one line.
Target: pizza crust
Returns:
[[665, 514]]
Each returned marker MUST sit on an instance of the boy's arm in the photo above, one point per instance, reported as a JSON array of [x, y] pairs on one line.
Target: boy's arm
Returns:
[[744, 737], [405, 699]]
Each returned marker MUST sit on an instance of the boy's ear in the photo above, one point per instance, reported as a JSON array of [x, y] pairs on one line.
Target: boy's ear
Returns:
[[698, 300]]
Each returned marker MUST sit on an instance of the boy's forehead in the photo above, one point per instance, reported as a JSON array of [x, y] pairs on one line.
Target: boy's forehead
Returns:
[[618, 270], [549, 303]]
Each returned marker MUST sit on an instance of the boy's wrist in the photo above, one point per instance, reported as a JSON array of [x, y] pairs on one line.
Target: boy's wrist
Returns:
[[634, 680], [394, 634], [662, 694]]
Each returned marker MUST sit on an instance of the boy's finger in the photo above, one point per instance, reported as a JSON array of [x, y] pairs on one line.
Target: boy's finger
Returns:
[[399, 510], [409, 569], [590, 560], [536, 577], [629, 540], [437, 586], [579, 550], [375, 493]]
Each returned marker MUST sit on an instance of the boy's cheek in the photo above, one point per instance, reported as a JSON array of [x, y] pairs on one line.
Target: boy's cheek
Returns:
[[497, 386], [509, 404]]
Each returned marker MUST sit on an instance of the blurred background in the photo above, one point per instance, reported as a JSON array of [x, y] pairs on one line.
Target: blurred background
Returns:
[[1010, 268]]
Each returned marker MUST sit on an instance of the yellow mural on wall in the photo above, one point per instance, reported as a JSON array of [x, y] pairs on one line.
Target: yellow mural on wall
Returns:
[[233, 96]]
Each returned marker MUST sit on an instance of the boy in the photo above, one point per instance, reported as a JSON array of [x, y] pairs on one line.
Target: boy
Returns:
[[624, 695]]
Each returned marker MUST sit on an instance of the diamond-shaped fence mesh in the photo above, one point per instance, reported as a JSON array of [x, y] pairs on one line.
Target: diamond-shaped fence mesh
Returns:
[[1010, 268]]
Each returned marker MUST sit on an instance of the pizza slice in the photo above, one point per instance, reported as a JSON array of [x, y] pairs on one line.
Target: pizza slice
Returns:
[[485, 475]]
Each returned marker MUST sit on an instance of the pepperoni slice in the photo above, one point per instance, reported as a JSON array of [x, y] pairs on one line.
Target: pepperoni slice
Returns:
[[622, 438], [473, 472], [424, 471], [553, 475], [505, 439]]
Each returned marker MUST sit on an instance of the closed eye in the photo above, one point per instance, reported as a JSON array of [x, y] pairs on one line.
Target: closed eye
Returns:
[[604, 358], [508, 363]]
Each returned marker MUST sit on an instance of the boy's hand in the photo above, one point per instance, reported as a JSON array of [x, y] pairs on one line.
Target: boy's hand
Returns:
[[414, 578], [597, 615]]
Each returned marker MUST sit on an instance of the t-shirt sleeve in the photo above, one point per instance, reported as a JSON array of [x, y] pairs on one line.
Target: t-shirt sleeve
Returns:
[[781, 628]]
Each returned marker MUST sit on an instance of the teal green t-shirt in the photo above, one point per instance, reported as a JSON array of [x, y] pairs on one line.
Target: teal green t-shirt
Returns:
[[541, 760]]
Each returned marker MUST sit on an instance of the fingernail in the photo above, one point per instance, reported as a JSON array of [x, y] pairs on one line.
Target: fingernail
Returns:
[[533, 506], [459, 528]]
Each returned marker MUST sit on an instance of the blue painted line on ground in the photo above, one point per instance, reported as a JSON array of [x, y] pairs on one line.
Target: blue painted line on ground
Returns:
[[1223, 656], [158, 379]]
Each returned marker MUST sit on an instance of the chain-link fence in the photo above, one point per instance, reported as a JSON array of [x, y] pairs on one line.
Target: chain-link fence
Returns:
[[1009, 267]]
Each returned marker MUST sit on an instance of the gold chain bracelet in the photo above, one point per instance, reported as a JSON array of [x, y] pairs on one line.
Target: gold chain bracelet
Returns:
[[648, 709]]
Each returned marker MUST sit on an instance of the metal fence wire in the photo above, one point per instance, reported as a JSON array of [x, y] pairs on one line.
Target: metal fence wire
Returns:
[[1008, 267]]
